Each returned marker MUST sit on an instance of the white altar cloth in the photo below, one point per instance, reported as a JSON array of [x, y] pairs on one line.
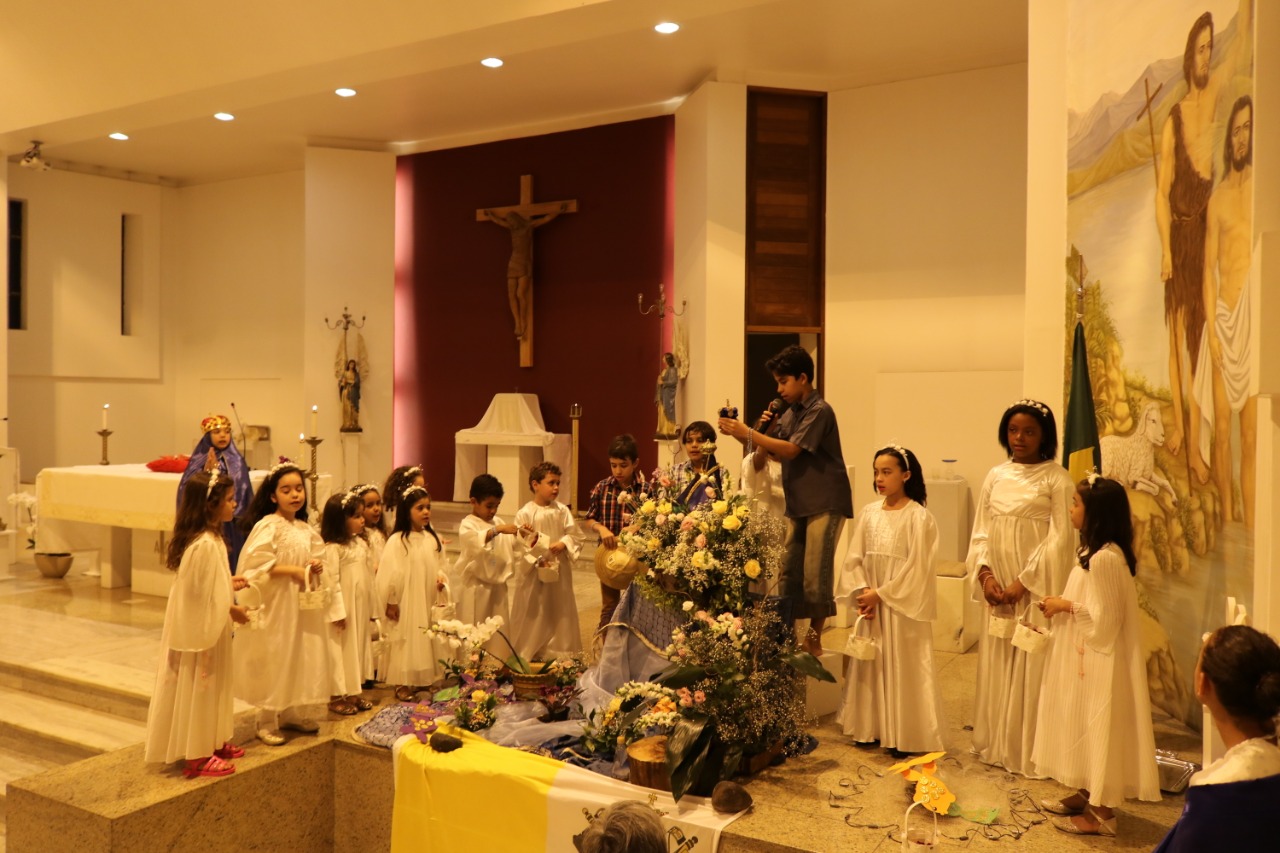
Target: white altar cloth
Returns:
[[509, 440], [119, 498]]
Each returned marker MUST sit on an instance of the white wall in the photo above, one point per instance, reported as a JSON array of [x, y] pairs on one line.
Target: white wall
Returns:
[[350, 261], [926, 211], [72, 357]]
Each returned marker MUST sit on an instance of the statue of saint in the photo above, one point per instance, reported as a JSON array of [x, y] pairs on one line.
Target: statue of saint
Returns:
[[349, 395], [664, 398]]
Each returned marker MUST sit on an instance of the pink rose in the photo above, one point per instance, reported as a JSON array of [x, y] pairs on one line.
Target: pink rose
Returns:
[[701, 541], [687, 524], [699, 697]]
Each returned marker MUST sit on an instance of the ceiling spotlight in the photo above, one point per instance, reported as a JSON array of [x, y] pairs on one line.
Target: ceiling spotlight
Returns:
[[667, 28], [344, 92], [32, 159], [491, 62], [224, 116], [119, 136]]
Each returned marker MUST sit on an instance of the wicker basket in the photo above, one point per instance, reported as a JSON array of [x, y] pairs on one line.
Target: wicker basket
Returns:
[[528, 685], [314, 594]]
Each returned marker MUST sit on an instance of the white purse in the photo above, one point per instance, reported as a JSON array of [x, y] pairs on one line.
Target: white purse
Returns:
[[1000, 625], [314, 594], [860, 648], [1029, 637]]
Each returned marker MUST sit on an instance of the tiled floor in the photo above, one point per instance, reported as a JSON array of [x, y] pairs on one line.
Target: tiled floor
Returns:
[[835, 799]]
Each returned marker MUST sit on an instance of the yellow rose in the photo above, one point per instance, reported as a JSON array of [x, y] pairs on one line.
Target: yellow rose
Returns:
[[648, 507], [720, 507], [699, 560], [478, 696], [751, 569], [704, 527], [740, 510], [654, 543], [665, 507], [731, 522]]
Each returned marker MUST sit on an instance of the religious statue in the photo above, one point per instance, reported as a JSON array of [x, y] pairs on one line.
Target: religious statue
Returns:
[[350, 367], [664, 398], [520, 267]]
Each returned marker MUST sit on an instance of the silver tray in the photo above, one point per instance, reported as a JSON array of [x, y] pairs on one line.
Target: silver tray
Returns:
[[1175, 772]]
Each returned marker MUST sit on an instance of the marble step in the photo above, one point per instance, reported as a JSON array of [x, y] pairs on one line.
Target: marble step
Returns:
[[49, 730], [124, 691], [14, 765]]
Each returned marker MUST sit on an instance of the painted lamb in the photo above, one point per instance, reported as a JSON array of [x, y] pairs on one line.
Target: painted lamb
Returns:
[[1130, 459]]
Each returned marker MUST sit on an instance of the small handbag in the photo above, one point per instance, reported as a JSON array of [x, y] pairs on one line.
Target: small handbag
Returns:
[[1029, 637], [380, 644], [860, 648], [314, 594], [251, 598], [1000, 625]]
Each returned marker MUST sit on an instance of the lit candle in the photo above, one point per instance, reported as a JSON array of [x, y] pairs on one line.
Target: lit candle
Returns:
[[105, 407], [302, 439], [315, 416]]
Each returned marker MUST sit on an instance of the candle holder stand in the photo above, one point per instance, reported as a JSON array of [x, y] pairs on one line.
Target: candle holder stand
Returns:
[[314, 473], [105, 433]]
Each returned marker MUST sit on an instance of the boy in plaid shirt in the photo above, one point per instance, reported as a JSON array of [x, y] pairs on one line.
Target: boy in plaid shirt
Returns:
[[608, 513]]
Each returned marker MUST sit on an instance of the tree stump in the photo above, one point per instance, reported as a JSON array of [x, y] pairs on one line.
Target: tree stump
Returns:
[[647, 758]]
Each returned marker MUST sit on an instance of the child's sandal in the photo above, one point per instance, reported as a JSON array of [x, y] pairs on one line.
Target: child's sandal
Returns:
[[404, 693], [229, 750], [343, 707], [211, 766], [361, 703]]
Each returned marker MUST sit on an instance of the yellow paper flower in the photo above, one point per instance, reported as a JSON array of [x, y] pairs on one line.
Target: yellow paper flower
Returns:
[[665, 507], [752, 568], [720, 507], [648, 507], [731, 522]]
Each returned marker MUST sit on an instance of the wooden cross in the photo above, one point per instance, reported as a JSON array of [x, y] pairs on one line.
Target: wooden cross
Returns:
[[1151, 124], [520, 219]]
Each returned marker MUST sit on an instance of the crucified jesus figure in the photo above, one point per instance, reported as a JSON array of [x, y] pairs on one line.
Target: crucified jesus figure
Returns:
[[520, 267]]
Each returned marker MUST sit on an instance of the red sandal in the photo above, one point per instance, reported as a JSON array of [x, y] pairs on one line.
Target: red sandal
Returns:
[[229, 750], [211, 766]]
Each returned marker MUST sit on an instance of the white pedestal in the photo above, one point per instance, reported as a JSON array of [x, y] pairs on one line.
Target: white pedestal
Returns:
[[510, 463], [8, 548], [959, 617], [949, 503], [115, 557], [150, 575], [823, 697], [350, 459]]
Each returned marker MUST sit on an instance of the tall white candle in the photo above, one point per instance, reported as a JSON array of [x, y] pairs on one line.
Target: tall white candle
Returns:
[[315, 418], [105, 407]]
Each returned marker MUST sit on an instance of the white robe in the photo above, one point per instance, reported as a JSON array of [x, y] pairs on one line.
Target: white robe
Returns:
[[544, 615], [1233, 326], [1255, 758], [346, 566], [1094, 727], [481, 574], [1021, 530], [894, 698], [285, 662], [408, 577], [191, 712], [377, 540]]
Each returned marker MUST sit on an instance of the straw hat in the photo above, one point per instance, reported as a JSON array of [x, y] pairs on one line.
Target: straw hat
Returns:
[[615, 567]]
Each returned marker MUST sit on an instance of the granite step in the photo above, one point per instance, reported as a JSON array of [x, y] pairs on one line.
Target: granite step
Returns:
[[46, 729], [124, 691]]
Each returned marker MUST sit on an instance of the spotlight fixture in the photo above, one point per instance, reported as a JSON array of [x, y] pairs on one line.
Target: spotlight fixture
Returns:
[[667, 28], [344, 92], [224, 116], [120, 137], [491, 62], [32, 159]]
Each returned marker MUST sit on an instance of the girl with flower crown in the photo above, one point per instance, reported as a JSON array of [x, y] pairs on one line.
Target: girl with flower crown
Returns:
[[284, 664], [190, 715], [411, 582], [1021, 550], [889, 575], [351, 607], [375, 537], [397, 481], [1094, 728]]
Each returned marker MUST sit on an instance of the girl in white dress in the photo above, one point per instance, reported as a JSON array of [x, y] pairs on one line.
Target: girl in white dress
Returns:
[[411, 581], [1022, 549], [544, 612], [398, 481], [375, 536], [351, 610], [890, 575], [190, 713], [285, 664], [1094, 729]]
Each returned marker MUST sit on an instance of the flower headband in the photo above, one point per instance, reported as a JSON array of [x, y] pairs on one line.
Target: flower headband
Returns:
[[1092, 476], [1034, 404], [285, 462], [349, 497], [405, 494], [365, 489], [903, 452], [213, 480], [213, 422]]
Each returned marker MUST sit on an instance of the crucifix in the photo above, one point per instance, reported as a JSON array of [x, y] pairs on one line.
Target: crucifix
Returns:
[[520, 219]]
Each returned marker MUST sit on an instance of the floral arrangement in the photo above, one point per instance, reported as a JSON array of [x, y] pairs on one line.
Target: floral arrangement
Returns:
[[471, 704], [458, 634], [563, 690], [710, 553], [638, 709], [27, 501]]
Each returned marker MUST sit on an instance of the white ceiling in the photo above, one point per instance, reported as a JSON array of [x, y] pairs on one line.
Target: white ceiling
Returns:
[[77, 70]]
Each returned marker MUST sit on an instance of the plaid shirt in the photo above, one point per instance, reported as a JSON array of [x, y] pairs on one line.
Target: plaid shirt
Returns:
[[604, 506]]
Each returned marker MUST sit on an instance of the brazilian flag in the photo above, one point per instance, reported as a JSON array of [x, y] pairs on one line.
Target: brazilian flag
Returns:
[[1080, 447]]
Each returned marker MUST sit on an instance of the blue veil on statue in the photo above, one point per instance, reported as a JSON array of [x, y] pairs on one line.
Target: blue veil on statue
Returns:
[[231, 463]]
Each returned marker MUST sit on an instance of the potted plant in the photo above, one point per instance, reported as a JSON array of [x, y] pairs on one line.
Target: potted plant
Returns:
[[52, 564]]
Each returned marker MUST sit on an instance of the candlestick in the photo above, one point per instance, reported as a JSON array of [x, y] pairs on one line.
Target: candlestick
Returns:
[[105, 407], [575, 415], [314, 474], [315, 417], [104, 433]]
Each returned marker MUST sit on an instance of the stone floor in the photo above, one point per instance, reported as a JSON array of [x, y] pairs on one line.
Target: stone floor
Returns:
[[77, 663]]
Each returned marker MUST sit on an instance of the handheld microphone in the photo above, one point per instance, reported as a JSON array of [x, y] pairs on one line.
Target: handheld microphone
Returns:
[[777, 407]]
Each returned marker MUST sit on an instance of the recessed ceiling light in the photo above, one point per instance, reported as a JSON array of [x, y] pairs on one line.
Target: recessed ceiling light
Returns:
[[224, 116], [667, 28], [344, 92], [118, 135], [491, 62]]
